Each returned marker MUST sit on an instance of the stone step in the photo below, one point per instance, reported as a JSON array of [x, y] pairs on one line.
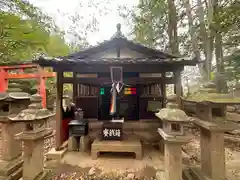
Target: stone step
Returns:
[[17, 174], [7, 169], [4, 178], [186, 175], [196, 173], [42, 176]]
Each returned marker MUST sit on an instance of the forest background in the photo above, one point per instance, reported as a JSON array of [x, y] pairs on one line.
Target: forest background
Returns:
[[206, 29]]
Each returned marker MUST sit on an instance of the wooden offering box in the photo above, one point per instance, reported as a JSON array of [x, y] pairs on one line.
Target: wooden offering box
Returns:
[[112, 131]]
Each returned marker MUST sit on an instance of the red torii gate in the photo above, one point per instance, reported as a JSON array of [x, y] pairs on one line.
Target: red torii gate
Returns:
[[40, 75]]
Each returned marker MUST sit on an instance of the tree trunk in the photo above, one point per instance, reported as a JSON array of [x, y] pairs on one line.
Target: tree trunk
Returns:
[[206, 37], [221, 78], [172, 28], [191, 29]]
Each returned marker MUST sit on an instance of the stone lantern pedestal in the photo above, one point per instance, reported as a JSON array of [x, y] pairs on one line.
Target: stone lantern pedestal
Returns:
[[174, 136], [11, 161], [33, 154], [11, 103], [212, 147], [34, 118], [172, 155]]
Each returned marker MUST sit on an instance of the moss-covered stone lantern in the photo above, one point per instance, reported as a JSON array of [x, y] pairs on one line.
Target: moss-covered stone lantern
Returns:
[[212, 120], [11, 102], [14, 100], [34, 118], [174, 136], [173, 119]]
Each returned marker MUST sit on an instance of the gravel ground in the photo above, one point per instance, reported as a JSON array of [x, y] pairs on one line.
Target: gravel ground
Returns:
[[192, 150], [67, 172]]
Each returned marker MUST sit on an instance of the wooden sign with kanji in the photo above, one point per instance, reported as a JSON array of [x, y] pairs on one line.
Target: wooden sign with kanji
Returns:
[[112, 131]]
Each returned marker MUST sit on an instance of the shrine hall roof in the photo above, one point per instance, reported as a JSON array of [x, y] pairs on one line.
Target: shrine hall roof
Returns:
[[117, 42]]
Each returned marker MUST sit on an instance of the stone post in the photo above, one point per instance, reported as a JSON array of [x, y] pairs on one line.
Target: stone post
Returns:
[[174, 136], [237, 90], [212, 147], [10, 166], [212, 122], [34, 119]]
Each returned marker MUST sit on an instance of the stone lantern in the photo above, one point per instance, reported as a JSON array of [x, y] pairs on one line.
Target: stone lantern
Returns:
[[173, 119], [34, 118], [13, 101], [173, 136], [212, 122]]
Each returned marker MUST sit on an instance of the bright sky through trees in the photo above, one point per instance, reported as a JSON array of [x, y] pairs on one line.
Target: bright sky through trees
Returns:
[[107, 23]]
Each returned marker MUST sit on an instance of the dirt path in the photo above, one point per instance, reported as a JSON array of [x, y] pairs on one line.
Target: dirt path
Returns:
[[108, 167]]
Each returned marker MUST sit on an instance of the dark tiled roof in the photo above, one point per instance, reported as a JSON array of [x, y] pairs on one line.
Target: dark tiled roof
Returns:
[[118, 41], [54, 61]]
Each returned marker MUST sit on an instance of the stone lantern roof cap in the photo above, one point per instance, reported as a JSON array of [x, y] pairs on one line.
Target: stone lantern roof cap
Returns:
[[172, 98], [14, 93], [209, 84], [34, 112], [172, 114], [237, 85], [208, 94]]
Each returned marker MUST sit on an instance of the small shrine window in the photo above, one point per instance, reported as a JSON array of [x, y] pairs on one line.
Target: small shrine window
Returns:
[[217, 112], [176, 127], [117, 74], [4, 108]]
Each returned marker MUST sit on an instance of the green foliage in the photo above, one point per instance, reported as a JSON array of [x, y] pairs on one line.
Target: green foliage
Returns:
[[25, 31], [150, 23], [150, 26], [18, 37], [57, 46]]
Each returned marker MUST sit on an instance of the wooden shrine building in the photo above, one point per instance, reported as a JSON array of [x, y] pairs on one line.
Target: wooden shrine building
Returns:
[[145, 73]]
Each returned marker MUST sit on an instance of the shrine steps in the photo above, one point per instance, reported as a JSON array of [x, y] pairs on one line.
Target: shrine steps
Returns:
[[194, 173], [133, 146], [41, 176], [14, 176], [11, 170]]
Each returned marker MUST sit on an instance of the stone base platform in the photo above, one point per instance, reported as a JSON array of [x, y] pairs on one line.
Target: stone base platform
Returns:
[[54, 157], [134, 146], [42, 176], [11, 170], [194, 173]]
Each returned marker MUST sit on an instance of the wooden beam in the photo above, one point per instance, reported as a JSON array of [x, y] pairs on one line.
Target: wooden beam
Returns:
[[20, 66], [74, 83], [178, 87], [163, 89], [30, 75], [141, 68], [59, 110], [132, 80]]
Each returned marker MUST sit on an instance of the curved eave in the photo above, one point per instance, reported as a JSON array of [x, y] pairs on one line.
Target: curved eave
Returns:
[[55, 62]]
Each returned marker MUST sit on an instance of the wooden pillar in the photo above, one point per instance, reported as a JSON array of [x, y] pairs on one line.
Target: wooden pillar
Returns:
[[163, 89], [42, 87], [75, 84], [178, 86], [3, 80], [59, 95]]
